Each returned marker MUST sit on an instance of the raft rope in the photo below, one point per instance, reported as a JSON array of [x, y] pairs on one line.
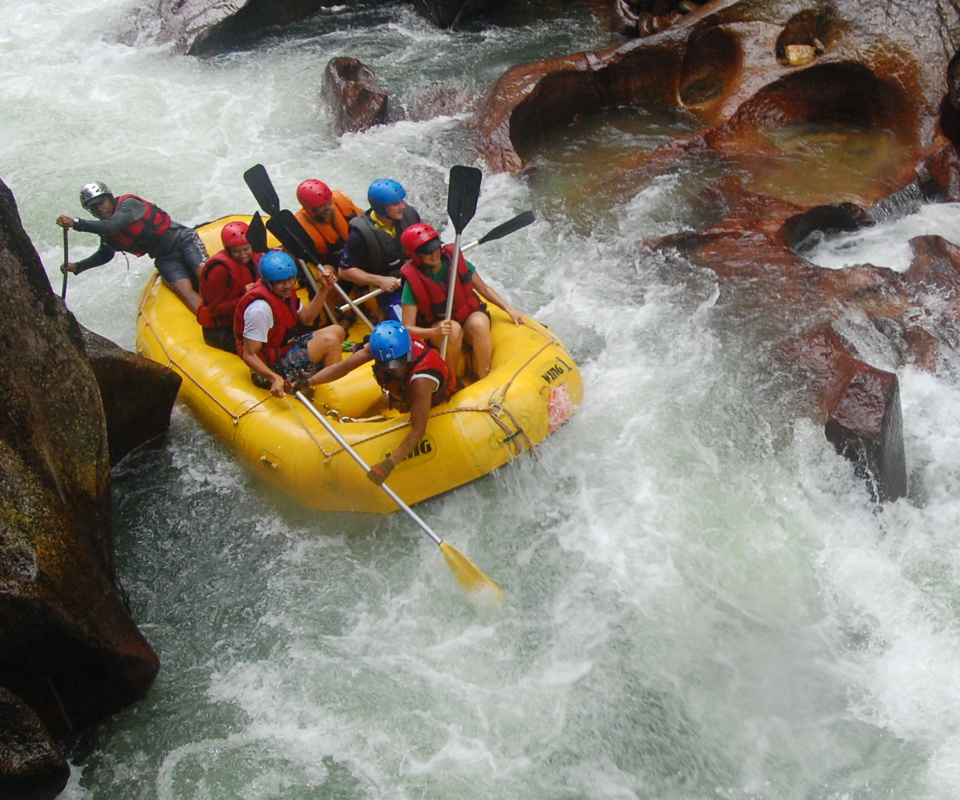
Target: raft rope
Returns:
[[494, 407], [171, 361]]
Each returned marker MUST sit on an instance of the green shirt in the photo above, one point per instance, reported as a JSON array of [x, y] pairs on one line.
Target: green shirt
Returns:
[[441, 276]]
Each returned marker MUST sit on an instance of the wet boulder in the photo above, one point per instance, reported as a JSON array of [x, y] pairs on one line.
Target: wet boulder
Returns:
[[209, 27], [31, 765], [354, 94], [133, 416], [453, 13], [859, 407], [68, 646]]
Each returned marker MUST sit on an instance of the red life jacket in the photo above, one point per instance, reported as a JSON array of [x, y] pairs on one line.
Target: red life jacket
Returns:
[[216, 311], [141, 236], [284, 319], [432, 296], [424, 360]]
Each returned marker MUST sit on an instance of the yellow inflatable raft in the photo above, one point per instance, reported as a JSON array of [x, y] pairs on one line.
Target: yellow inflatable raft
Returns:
[[533, 388]]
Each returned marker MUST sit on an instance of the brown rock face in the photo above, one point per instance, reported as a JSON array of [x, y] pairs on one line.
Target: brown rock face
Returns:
[[355, 95], [452, 13], [758, 75], [68, 647]]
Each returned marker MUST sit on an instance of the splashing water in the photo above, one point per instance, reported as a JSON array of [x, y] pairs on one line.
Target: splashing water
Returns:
[[700, 600]]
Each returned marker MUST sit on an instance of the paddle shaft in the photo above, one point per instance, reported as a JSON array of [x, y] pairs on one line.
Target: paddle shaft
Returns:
[[464, 249], [66, 260], [366, 468], [287, 228], [461, 206]]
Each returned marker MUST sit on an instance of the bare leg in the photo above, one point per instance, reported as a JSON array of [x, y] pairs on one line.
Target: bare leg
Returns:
[[324, 345], [454, 347], [477, 333], [185, 291]]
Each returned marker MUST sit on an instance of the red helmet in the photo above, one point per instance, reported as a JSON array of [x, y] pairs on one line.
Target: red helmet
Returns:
[[312, 194], [416, 240], [234, 234]]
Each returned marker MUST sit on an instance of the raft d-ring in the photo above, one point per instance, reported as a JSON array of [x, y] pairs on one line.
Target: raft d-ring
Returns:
[[269, 460]]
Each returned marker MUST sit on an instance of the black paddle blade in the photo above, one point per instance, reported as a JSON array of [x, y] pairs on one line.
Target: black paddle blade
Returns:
[[463, 195], [257, 234], [297, 242], [511, 225], [260, 184], [285, 226]]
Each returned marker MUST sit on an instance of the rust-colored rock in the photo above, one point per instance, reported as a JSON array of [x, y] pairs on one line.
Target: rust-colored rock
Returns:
[[858, 405], [68, 647], [31, 766], [356, 97], [866, 427]]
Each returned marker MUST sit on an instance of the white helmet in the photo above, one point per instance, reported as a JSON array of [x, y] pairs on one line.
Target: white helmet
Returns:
[[93, 191]]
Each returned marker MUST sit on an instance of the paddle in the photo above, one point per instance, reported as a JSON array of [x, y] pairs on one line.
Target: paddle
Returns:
[[66, 260], [257, 234], [504, 228], [287, 228], [461, 206], [462, 568], [258, 181]]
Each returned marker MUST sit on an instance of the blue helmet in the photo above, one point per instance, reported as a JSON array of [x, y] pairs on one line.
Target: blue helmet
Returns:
[[390, 343], [384, 192], [277, 266]]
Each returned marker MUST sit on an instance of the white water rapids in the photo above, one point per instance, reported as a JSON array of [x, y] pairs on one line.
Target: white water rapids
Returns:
[[701, 601]]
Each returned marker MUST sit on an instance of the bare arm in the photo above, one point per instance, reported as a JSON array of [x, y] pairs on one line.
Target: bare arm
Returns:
[[251, 358], [338, 370], [489, 293], [435, 334], [308, 313], [421, 398]]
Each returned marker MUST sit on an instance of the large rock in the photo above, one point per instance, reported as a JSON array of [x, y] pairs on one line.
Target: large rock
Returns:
[[31, 766], [134, 417], [68, 647], [208, 27], [727, 62], [355, 95]]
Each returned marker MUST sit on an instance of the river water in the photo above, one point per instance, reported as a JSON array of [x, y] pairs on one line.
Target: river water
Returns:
[[701, 601]]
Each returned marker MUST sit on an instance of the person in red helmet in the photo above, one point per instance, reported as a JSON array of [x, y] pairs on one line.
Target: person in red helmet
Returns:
[[423, 302], [224, 279], [325, 214]]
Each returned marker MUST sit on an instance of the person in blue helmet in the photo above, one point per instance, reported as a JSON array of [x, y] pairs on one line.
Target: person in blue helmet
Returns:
[[372, 255], [412, 374], [266, 320]]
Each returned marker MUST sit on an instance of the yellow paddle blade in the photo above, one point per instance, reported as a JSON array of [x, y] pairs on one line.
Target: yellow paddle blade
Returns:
[[470, 577]]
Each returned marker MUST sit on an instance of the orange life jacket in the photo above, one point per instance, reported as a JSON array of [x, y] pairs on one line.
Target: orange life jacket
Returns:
[[331, 237]]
